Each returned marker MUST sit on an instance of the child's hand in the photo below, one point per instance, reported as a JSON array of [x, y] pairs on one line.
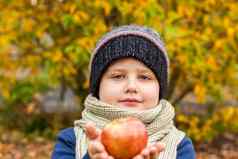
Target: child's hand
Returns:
[[150, 152], [96, 149]]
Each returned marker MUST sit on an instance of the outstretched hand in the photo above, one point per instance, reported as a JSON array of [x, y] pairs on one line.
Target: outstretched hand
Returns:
[[151, 152], [97, 150]]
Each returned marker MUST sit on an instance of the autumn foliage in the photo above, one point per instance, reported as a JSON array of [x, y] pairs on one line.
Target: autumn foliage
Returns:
[[47, 44]]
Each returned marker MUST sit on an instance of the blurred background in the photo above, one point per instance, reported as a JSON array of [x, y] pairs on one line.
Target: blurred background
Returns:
[[45, 47]]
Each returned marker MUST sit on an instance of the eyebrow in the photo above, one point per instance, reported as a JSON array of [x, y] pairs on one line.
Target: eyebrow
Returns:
[[144, 71], [125, 69]]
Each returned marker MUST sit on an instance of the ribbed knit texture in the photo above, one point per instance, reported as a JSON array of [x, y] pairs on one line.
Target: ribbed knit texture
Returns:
[[158, 122], [141, 43]]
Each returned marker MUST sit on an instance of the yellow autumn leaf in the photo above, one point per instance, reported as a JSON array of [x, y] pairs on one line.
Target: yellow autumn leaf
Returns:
[[103, 4], [185, 10], [81, 16], [31, 60], [67, 70], [194, 121], [4, 41], [182, 58], [40, 33], [56, 56], [72, 8], [219, 44], [140, 17], [207, 126], [200, 93], [5, 93], [228, 114], [212, 63], [211, 2], [106, 7], [226, 22], [85, 42], [230, 32], [28, 25], [182, 118], [100, 29]]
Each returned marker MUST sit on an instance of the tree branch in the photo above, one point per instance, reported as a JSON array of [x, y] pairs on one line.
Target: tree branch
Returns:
[[173, 82], [185, 92]]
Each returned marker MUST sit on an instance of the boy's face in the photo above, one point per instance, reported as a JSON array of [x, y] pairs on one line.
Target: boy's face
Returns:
[[129, 83]]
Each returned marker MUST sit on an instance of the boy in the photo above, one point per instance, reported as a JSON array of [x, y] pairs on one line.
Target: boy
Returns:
[[128, 77]]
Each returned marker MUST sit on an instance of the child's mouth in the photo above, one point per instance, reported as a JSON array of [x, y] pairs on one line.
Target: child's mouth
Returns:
[[130, 102]]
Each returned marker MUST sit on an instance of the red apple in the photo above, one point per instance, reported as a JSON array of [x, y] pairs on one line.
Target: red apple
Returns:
[[124, 138]]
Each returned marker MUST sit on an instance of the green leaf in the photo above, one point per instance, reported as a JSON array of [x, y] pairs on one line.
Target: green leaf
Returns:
[[67, 21]]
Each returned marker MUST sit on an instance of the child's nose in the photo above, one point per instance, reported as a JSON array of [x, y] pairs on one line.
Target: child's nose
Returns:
[[131, 86]]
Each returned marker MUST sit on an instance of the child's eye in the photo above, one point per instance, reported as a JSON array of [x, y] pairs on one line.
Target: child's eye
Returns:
[[144, 77], [117, 76]]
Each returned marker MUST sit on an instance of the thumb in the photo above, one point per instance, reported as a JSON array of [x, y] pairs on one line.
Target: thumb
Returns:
[[91, 131]]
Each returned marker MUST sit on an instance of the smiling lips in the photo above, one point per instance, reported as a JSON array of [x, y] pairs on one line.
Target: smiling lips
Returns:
[[130, 102]]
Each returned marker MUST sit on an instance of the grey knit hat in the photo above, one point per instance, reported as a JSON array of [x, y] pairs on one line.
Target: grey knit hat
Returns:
[[141, 43]]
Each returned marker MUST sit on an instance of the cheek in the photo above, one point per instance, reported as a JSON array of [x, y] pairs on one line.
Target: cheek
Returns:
[[151, 94], [109, 92]]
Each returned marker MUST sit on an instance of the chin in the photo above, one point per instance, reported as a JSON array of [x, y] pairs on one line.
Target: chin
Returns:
[[137, 107]]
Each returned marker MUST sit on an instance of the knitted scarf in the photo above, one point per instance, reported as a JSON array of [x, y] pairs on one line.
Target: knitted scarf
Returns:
[[158, 121]]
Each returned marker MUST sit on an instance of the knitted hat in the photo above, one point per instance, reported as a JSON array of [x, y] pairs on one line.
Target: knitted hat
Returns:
[[138, 42]]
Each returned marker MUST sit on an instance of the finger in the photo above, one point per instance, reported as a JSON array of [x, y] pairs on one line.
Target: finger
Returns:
[[91, 131], [160, 146], [110, 157], [138, 157], [100, 156], [96, 147], [153, 152], [145, 153]]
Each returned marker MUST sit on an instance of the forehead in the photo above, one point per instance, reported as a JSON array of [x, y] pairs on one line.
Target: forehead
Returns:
[[128, 63]]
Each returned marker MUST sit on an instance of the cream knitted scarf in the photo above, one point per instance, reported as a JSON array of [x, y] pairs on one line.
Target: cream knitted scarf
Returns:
[[158, 121]]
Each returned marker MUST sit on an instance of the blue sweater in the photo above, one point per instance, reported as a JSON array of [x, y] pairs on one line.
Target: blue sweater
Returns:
[[66, 141]]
